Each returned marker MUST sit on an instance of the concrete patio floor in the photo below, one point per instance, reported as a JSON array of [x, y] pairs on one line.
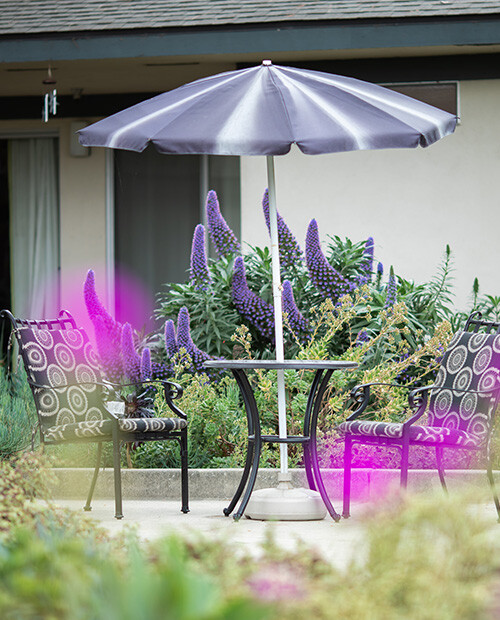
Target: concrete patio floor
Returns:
[[338, 543]]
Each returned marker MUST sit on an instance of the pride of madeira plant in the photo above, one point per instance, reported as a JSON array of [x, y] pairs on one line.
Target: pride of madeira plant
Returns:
[[232, 290]]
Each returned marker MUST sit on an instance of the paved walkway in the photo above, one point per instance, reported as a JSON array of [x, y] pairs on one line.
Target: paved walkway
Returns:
[[337, 542]]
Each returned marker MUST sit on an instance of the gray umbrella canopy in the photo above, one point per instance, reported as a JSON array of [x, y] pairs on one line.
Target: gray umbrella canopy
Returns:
[[265, 109]]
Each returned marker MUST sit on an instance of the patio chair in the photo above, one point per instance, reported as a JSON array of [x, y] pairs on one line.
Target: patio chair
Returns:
[[460, 406], [73, 401]]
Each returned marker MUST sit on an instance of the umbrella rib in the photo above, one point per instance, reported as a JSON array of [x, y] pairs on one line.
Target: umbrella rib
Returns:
[[283, 103]]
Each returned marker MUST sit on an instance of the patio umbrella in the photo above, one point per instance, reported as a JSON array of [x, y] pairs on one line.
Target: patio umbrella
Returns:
[[263, 110]]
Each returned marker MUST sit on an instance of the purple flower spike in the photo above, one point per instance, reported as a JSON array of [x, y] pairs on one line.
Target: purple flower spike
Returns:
[[249, 305], [325, 278], [184, 340], [290, 251], [298, 324], [131, 360], [222, 236], [367, 263], [146, 369], [380, 270], [110, 355], [200, 275], [361, 338], [170, 339], [107, 331], [391, 290]]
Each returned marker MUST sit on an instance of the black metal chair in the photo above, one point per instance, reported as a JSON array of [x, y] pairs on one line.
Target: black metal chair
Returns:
[[460, 406], [71, 397]]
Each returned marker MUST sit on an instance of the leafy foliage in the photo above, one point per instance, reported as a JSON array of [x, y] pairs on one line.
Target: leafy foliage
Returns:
[[17, 413], [421, 559]]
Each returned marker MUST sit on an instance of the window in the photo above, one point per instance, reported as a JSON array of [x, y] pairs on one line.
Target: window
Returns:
[[443, 95]]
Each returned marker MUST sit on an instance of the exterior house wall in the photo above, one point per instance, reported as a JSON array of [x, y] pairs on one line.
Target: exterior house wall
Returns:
[[413, 202], [82, 200]]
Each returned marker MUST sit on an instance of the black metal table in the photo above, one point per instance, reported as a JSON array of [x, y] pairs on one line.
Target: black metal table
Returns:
[[324, 370]]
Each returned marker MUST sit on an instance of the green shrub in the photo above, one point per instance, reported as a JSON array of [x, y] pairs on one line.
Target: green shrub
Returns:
[[420, 558], [17, 413]]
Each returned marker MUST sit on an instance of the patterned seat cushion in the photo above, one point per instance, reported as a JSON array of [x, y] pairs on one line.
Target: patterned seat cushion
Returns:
[[418, 434], [470, 369], [103, 428], [59, 359]]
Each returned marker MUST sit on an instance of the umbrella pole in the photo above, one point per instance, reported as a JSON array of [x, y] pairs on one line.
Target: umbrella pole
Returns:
[[278, 310], [283, 502]]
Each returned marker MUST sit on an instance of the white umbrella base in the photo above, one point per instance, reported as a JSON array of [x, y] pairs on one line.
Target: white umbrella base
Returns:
[[285, 503]]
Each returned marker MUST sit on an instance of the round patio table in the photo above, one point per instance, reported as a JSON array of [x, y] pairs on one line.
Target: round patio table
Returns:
[[323, 372]]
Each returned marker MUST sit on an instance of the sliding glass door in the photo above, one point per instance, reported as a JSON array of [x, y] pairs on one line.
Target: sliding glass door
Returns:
[[159, 201]]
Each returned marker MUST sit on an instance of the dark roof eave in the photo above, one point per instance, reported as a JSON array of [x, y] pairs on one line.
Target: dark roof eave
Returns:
[[253, 38]]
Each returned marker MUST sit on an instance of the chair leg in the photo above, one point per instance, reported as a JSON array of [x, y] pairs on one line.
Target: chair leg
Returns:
[[184, 472], [347, 476], [117, 475], [87, 506], [440, 467], [405, 451], [489, 471]]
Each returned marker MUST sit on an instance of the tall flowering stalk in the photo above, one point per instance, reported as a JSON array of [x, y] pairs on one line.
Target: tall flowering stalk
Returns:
[[325, 278], [290, 252], [108, 331], [367, 263], [131, 359], [170, 339], [259, 313], [222, 236], [380, 273], [391, 290], [184, 341], [146, 368], [298, 324], [200, 275]]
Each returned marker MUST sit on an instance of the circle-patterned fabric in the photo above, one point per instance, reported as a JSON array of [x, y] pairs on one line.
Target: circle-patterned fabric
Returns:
[[59, 359], [470, 365]]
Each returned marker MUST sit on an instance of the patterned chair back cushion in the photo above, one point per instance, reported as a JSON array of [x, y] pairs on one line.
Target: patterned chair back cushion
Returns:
[[59, 358], [471, 362]]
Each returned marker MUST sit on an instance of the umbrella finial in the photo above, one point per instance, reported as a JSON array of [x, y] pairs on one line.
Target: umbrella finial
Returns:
[[266, 63]]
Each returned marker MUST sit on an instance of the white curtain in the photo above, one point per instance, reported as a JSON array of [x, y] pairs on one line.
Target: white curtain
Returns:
[[34, 227]]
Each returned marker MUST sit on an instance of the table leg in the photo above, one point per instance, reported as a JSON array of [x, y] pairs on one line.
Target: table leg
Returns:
[[253, 476], [314, 449], [307, 429], [250, 450], [254, 446]]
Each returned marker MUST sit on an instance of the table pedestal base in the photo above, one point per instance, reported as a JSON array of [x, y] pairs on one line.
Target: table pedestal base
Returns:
[[285, 503]]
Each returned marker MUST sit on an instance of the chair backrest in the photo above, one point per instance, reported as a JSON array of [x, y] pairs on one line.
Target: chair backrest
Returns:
[[62, 368], [469, 378]]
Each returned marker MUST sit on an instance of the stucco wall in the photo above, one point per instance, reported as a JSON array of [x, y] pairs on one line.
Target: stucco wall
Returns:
[[413, 202], [83, 222], [82, 210]]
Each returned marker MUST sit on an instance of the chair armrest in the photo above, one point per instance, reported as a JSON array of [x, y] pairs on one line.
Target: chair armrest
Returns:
[[361, 395], [417, 399]]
